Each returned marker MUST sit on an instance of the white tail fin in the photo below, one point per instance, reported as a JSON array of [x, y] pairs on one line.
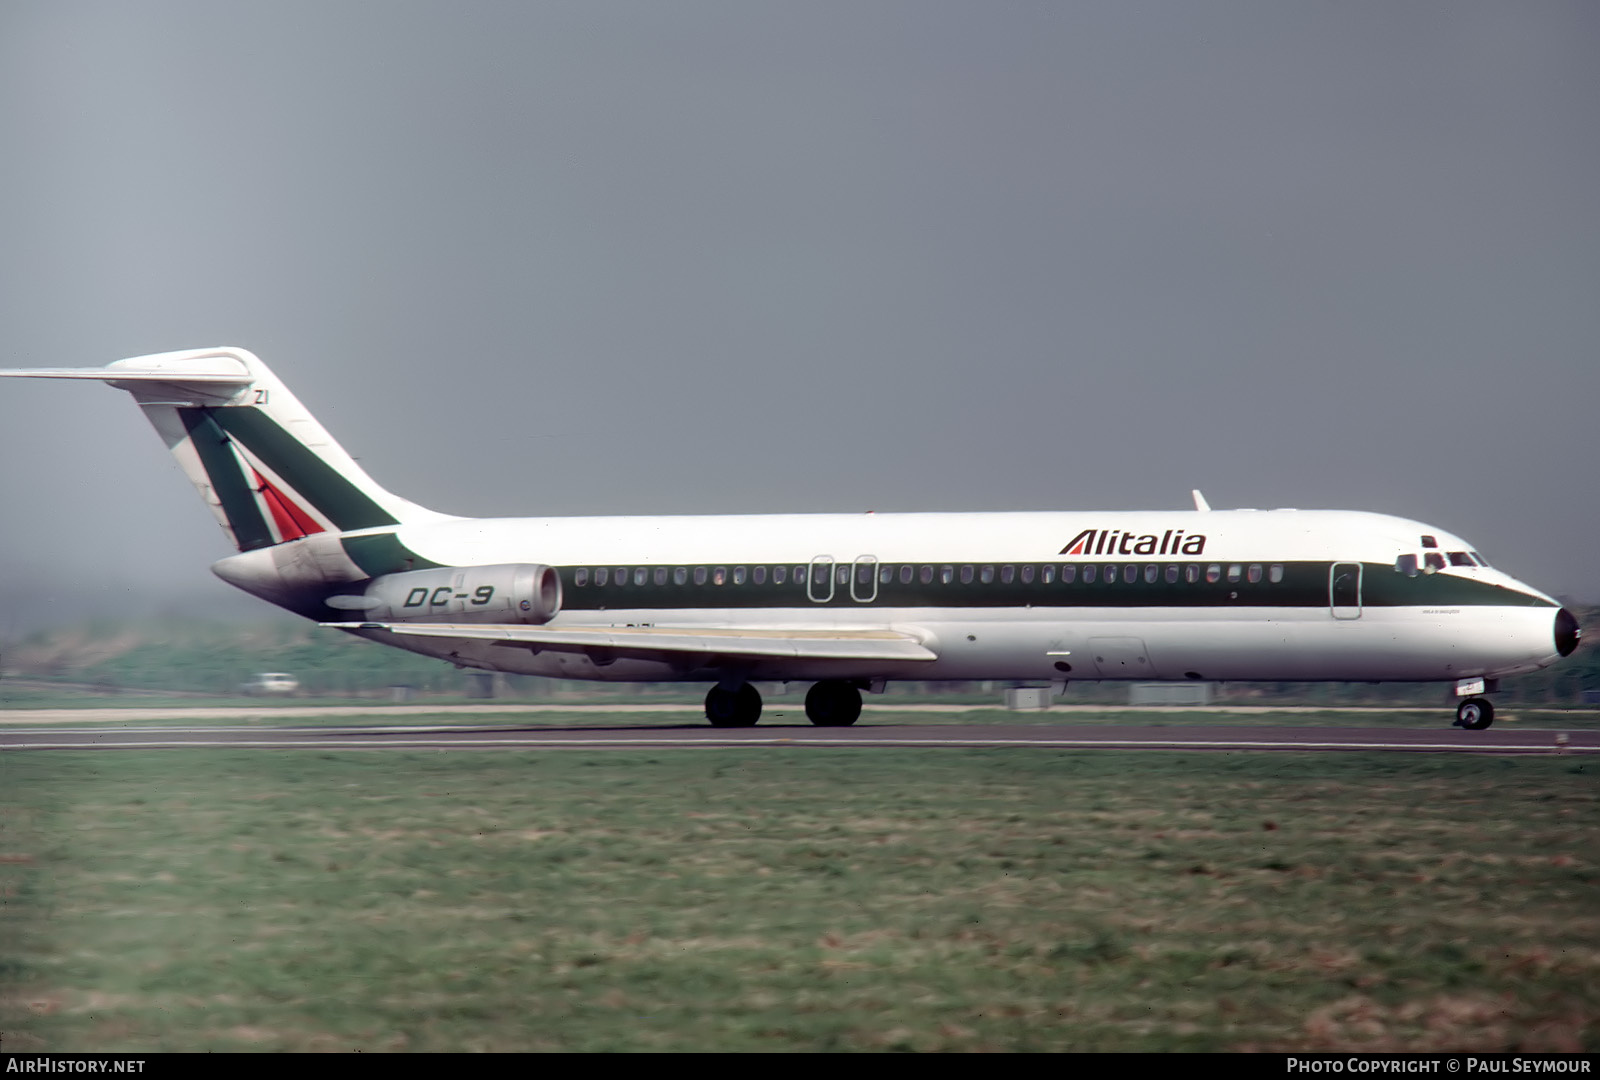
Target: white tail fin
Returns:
[[269, 471]]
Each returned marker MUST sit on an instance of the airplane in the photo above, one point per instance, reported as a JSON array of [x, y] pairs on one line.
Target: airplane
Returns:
[[847, 602]]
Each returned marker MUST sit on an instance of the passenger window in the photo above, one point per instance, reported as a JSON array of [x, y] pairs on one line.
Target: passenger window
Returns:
[[1191, 573], [1234, 570], [1213, 574], [699, 575], [886, 575], [986, 575], [947, 574], [601, 575], [1255, 573], [1027, 574], [621, 575], [780, 574], [580, 576], [1088, 575], [1007, 574], [1151, 572], [719, 576], [1069, 574], [1130, 574], [1110, 576], [821, 576], [1172, 575], [843, 575], [1275, 574], [680, 575], [799, 574], [906, 573], [1407, 565], [966, 575], [1047, 575], [738, 575], [925, 575], [759, 575]]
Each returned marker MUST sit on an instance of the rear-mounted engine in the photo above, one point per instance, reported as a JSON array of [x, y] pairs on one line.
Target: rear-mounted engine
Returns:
[[506, 593]]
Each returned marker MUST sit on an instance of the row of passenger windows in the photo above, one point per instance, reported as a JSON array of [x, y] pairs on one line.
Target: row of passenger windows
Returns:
[[947, 574]]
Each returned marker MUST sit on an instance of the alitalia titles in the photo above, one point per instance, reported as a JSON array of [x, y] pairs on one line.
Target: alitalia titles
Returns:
[[1121, 542]]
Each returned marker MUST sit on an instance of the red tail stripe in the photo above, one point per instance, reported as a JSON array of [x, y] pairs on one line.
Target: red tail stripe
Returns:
[[292, 522]]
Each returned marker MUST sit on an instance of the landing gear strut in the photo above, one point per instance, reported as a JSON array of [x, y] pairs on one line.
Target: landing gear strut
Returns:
[[833, 703], [733, 708], [1474, 714]]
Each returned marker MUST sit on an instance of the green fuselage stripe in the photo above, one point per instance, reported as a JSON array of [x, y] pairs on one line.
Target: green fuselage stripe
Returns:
[[1304, 585], [228, 481], [383, 554]]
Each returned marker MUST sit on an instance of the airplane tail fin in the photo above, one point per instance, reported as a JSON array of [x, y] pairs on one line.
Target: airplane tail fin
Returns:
[[269, 471]]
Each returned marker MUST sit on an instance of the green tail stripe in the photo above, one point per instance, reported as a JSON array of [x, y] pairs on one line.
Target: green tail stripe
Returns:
[[313, 479], [383, 554], [227, 480]]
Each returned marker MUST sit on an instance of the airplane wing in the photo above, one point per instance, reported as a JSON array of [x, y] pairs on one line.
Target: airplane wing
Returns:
[[683, 641]]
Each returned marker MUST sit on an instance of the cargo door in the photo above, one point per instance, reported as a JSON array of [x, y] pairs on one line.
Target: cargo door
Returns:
[[1121, 658]]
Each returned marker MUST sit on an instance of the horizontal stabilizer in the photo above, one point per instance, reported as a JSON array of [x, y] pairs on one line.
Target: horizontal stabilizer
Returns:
[[790, 644], [109, 374], [213, 372]]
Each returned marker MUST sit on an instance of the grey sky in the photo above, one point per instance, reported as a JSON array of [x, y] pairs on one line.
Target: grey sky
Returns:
[[723, 257]]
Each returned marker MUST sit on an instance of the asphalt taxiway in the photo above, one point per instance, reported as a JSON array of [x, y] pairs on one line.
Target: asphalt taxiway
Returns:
[[632, 736]]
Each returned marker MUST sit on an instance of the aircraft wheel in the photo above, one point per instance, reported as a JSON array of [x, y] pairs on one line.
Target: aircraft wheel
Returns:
[[733, 708], [832, 703], [1474, 714]]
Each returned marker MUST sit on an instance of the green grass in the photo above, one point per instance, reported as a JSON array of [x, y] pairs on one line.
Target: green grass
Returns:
[[797, 900]]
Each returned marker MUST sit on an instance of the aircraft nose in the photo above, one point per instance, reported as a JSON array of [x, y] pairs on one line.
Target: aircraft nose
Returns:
[[1568, 632]]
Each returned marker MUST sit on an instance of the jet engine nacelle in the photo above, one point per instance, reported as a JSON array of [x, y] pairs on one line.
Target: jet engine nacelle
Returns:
[[506, 593]]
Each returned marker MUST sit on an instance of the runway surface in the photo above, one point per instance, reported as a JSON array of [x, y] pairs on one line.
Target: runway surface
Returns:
[[691, 709], [615, 736]]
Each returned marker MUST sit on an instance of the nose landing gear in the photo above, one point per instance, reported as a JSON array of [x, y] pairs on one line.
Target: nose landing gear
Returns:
[[1474, 714]]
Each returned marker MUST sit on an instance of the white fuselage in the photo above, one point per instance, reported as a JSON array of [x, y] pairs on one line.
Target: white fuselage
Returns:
[[1216, 595]]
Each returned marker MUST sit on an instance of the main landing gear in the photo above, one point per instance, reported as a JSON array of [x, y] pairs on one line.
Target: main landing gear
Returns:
[[1474, 714], [833, 703], [830, 703], [733, 708]]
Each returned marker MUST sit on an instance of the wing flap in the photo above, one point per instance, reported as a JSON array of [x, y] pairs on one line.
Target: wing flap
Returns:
[[789, 644]]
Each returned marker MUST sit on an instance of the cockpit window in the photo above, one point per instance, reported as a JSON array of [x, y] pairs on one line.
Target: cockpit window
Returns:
[[1434, 561], [1460, 558], [1430, 541], [1407, 565], [1481, 560]]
